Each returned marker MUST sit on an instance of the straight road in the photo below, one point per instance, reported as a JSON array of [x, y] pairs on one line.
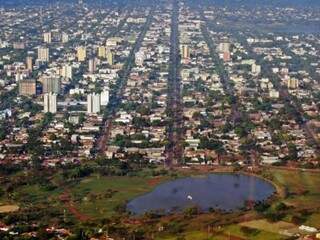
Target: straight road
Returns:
[[174, 148], [223, 74], [117, 95]]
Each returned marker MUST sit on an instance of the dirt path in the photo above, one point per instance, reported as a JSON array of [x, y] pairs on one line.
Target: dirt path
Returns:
[[65, 197]]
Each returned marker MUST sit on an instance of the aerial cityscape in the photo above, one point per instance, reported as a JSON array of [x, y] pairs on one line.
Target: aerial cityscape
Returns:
[[168, 119]]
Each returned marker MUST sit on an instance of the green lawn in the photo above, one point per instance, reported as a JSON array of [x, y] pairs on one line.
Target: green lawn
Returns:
[[124, 188], [297, 181]]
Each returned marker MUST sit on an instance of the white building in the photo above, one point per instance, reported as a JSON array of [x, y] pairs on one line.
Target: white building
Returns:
[[64, 38], [140, 57], [104, 100], [93, 103], [50, 102]]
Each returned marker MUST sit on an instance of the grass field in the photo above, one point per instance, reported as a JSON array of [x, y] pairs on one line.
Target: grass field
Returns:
[[302, 187], [122, 188]]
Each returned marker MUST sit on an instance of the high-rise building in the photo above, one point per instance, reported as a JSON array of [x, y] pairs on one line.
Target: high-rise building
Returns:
[[66, 72], [93, 103], [29, 63], [102, 52], [51, 84], [293, 83], [43, 54], [110, 57], [27, 87], [47, 37], [64, 37], [104, 98], [81, 54], [50, 102], [92, 65], [185, 51]]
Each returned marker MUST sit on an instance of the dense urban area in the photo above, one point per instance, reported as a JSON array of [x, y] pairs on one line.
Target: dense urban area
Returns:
[[102, 102]]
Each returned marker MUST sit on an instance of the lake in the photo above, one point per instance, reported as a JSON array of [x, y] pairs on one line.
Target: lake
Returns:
[[223, 191]]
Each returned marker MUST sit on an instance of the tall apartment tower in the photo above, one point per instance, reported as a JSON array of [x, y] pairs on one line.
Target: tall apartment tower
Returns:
[[92, 65], [50, 102], [185, 51], [110, 57], [93, 103], [293, 83], [81, 54], [47, 37], [43, 54], [29, 63], [102, 52], [104, 98], [51, 84], [66, 72], [27, 87]]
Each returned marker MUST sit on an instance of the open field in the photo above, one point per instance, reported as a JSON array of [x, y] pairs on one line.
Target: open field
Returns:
[[302, 190]]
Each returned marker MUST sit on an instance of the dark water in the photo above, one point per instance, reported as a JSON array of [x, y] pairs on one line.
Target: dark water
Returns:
[[220, 191]]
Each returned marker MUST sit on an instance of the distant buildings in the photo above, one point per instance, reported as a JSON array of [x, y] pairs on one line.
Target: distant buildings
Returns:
[[224, 47], [47, 37], [112, 42], [27, 87], [224, 51], [51, 84], [110, 57], [92, 65], [185, 51], [255, 69], [293, 83], [43, 54], [66, 72], [29, 63], [102, 52], [64, 37], [274, 94], [81, 54], [104, 99], [50, 102], [19, 45], [139, 58], [93, 103]]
